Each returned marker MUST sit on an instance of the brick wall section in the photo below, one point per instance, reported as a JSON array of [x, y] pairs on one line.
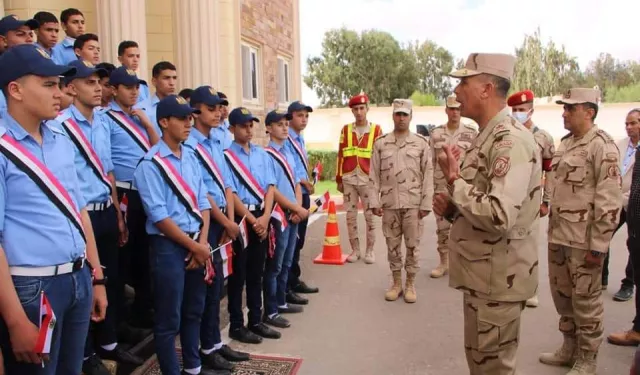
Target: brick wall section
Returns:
[[269, 25]]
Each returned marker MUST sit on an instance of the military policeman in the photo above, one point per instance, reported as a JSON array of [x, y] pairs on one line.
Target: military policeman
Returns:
[[451, 133], [493, 201], [586, 200], [352, 174], [401, 191]]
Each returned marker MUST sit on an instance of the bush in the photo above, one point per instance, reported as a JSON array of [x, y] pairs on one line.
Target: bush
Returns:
[[328, 159], [626, 94], [423, 100]]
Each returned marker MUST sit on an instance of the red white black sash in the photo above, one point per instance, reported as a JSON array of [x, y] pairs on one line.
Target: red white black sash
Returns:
[[86, 150], [134, 132], [42, 176], [301, 154], [185, 195], [280, 159], [210, 165], [243, 174]]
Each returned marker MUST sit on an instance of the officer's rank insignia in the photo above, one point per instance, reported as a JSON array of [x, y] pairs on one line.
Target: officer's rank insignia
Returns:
[[131, 72], [181, 100], [244, 111], [87, 64], [501, 166]]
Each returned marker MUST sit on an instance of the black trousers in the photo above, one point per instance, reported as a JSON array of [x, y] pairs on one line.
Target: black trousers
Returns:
[[633, 243], [248, 267], [295, 271], [105, 228], [135, 260], [627, 282]]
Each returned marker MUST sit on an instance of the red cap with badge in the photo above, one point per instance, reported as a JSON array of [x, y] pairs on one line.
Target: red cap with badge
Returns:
[[521, 97], [361, 98]]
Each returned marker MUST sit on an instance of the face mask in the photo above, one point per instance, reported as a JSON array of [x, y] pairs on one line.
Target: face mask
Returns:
[[522, 117]]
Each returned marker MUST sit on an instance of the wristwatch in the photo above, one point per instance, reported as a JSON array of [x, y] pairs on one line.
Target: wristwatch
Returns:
[[102, 281]]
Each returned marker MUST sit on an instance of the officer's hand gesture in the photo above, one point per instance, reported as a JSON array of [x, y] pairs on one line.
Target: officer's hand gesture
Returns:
[[24, 336], [440, 204], [448, 160]]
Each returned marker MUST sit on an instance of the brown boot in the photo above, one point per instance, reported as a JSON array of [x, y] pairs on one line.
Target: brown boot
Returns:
[[564, 356], [443, 267], [629, 338], [395, 290], [354, 256], [410, 289], [586, 363]]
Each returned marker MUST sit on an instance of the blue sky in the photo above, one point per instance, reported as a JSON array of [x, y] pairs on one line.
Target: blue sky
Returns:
[[465, 26]]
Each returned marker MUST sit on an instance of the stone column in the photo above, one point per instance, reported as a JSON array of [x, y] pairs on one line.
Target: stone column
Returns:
[[195, 33], [120, 20], [230, 80], [296, 72]]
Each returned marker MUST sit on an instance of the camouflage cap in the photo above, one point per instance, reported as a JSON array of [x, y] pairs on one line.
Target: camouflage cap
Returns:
[[402, 106], [497, 64], [452, 102], [580, 95]]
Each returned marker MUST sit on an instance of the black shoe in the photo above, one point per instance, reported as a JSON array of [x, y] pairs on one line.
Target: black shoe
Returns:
[[94, 366], [209, 372], [290, 309], [121, 356], [294, 298], [132, 335], [232, 355], [624, 294], [263, 330], [277, 321], [303, 288], [243, 335], [215, 361]]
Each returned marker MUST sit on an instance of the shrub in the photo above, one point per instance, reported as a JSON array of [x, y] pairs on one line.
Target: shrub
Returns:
[[626, 94], [423, 100]]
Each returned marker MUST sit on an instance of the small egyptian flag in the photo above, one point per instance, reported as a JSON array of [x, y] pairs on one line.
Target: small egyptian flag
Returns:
[[321, 202], [244, 236], [225, 254], [124, 203], [317, 171], [278, 215], [47, 323]]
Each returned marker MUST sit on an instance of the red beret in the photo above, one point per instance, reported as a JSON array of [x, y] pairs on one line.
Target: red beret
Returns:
[[521, 97], [361, 98]]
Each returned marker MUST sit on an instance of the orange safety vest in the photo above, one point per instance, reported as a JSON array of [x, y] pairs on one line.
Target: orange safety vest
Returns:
[[354, 152]]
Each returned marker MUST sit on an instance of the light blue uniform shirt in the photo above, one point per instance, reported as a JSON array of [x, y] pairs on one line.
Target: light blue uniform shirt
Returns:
[[149, 106], [283, 185], [98, 134], [259, 165], [3, 104], [144, 94], [62, 53], [628, 156], [223, 134], [33, 231], [300, 169], [212, 146], [125, 152], [159, 200]]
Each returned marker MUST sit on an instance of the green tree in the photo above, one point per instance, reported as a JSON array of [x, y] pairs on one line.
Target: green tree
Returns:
[[608, 73], [434, 63]]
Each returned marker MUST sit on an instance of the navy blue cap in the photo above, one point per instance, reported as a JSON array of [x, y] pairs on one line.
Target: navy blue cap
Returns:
[[206, 95], [124, 76], [27, 59], [12, 23], [85, 69], [173, 106], [299, 106], [275, 116], [241, 116]]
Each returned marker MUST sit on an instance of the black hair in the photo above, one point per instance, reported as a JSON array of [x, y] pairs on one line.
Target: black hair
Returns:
[[109, 67], [124, 45], [45, 17], [159, 67], [186, 93], [83, 39], [502, 85], [67, 13], [591, 106], [222, 95]]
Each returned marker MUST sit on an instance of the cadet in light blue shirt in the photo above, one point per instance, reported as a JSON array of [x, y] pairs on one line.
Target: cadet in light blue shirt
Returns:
[[129, 57], [73, 24], [164, 80], [179, 237], [222, 132], [46, 234]]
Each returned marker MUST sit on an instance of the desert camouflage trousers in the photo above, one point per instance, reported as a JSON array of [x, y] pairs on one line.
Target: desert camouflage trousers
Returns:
[[353, 194], [397, 224], [491, 335], [577, 293], [442, 231]]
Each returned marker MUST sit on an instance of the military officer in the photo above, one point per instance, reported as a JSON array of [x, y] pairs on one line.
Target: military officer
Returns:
[[401, 191], [521, 104], [586, 199], [493, 201], [451, 133], [352, 173]]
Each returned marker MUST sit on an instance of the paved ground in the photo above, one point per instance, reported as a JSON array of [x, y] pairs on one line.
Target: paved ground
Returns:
[[349, 329]]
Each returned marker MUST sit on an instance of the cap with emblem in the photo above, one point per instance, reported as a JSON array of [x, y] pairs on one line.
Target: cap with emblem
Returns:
[[275, 116], [361, 98], [29, 59], [12, 23], [240, 116], [521, 97], [580, 96], [497, 64], [174, 106], [84, 69], [299, 106], [206, 95], [124, 76], [452, 101], [402, 106]]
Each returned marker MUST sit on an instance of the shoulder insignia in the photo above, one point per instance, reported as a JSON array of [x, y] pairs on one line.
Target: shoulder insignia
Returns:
[[604, 135], [504, 143], [422, 137], [501, 166], [501, 129], [469, 126]]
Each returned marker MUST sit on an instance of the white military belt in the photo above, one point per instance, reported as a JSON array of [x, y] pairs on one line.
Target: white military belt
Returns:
[[99, 206], [60, 269], [125, 185], [254, 207]]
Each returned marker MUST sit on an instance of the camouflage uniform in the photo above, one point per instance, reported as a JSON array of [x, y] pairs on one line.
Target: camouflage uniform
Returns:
[[547, 149], [441, 135], [401, 182]]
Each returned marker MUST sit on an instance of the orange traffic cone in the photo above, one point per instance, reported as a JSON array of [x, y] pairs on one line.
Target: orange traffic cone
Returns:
[[331, 251]]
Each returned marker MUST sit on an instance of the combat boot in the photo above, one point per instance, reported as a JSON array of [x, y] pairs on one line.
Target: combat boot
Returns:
[[585, 363], [395, 290], [565, 356], [410, 289], [533, 301], [369, 257], [354, 256], [443, 267]]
